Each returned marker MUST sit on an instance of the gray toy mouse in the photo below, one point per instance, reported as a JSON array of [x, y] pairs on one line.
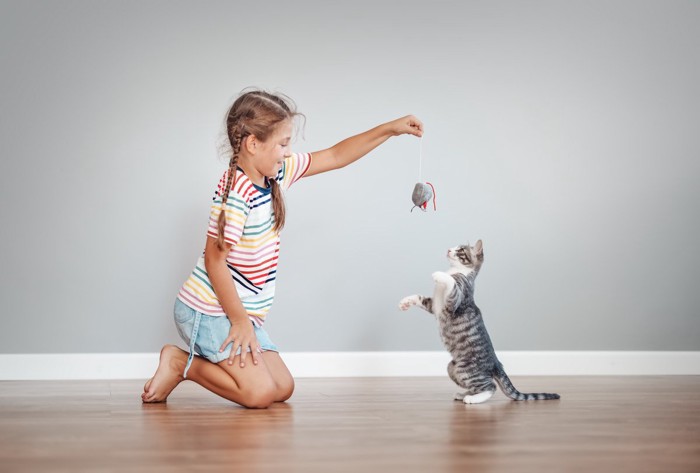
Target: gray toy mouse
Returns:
[[422, 193]]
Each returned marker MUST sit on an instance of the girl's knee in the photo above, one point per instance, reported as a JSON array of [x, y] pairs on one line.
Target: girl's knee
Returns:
[[258, 401], [285, 389], [264, 396], [261, 397]]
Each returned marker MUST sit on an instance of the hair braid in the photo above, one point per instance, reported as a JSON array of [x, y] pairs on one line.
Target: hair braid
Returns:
[[278, 209], [230, 182]]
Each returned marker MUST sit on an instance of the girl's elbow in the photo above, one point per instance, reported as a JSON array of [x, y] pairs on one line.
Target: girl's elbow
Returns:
[[211, 260], [213, 254]]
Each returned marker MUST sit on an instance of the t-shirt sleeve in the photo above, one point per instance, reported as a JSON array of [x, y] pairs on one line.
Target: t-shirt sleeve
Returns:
[[237, 210], [293, 169]]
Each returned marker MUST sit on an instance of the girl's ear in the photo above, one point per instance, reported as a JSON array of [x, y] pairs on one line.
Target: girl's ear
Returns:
[[250, 143]]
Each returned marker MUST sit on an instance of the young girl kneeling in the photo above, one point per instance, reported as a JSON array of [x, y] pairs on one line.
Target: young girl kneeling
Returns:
[[221, 308]]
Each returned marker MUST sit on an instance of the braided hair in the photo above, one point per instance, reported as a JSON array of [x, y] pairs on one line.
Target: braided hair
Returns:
[[256, 113]]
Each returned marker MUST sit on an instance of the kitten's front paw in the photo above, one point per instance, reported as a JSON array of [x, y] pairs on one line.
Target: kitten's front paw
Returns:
[[441, 278], [409, 301]]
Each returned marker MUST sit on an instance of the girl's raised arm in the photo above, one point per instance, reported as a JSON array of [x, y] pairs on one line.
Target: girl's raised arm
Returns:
[[353, 148]]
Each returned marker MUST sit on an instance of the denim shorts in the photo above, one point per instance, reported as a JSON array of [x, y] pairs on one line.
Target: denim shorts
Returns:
[[204, 334]]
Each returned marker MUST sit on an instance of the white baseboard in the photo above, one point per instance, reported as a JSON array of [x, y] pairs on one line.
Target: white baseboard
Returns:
[[357, 364]]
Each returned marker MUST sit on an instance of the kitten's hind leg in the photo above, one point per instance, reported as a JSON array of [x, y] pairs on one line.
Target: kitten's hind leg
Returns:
[[479, 388], [451, 366], [481, 391], [478, 398]]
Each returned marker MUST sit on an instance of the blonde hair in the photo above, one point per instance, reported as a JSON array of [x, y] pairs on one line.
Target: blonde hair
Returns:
[[258, 113]]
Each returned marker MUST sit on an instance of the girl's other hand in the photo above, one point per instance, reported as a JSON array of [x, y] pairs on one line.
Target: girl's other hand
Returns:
[[242, 335], [407, 125]]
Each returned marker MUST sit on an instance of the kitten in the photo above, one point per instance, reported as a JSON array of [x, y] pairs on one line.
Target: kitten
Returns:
[[474, 365]]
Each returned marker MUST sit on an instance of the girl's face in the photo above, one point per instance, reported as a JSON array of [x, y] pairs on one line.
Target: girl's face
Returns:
[[270, 158]]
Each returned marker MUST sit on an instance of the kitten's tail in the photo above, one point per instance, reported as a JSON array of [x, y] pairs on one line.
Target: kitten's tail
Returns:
[[509, 390]]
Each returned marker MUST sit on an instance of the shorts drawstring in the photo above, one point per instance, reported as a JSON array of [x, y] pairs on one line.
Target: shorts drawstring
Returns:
[[193, 338]]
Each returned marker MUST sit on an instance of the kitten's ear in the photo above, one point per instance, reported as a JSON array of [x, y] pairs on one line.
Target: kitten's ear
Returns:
[[479, 247]]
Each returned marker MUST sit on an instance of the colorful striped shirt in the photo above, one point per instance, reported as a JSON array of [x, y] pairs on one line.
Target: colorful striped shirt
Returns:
[[252, 259]]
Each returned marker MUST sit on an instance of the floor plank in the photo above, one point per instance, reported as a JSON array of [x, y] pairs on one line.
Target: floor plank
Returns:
[[620, 424]]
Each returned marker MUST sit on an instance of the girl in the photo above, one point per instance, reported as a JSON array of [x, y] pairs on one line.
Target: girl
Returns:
[[221, 308]]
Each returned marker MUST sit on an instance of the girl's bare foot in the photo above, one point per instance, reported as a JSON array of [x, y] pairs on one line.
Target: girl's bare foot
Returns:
[[168, 375]]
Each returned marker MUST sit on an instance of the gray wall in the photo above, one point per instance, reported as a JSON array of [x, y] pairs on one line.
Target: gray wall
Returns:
[[564, 134]]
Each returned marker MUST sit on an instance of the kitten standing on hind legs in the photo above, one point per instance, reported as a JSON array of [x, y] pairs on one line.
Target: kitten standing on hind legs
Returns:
[[474, 365]]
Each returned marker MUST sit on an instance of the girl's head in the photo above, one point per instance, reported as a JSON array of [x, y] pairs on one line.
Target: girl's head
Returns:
[[260, 123]]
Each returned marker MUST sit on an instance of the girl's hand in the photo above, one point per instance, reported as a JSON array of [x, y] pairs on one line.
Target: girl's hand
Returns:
[[408, 124], [242, 335]]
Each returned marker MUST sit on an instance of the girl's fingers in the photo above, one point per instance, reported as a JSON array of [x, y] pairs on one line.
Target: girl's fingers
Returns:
[[255, 354], [411, 125], [252, 344], [226, 342], [416, 127], [234, 349], [244, 352], [242, 343], [255, 351]]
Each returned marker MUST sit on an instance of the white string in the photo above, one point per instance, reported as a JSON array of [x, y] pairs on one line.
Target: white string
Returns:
[[420, 159]]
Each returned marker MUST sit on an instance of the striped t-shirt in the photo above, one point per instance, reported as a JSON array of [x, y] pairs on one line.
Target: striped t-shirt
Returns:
[[252, 259]]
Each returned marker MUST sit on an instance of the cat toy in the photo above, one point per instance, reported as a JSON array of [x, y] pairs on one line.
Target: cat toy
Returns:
[[422, 191]]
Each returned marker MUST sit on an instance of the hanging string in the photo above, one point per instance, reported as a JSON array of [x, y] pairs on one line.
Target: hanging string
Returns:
[[420, 159]]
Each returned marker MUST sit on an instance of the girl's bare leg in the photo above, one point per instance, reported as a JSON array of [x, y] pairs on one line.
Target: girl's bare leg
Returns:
[[255, 386]]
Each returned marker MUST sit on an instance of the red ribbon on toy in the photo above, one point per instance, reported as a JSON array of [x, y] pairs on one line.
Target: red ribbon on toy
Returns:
[[434, 195]]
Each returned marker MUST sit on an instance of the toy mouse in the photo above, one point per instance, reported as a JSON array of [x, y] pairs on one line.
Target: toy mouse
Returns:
[[422, 193]]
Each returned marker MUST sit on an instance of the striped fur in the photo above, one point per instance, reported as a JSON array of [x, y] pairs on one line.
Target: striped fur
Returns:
[[474, 364]]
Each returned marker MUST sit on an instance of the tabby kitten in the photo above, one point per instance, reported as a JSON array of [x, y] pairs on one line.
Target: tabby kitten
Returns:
[[474, 365]]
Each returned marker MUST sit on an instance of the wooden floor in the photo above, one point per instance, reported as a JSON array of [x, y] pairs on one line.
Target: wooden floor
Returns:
[[601, 424]]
